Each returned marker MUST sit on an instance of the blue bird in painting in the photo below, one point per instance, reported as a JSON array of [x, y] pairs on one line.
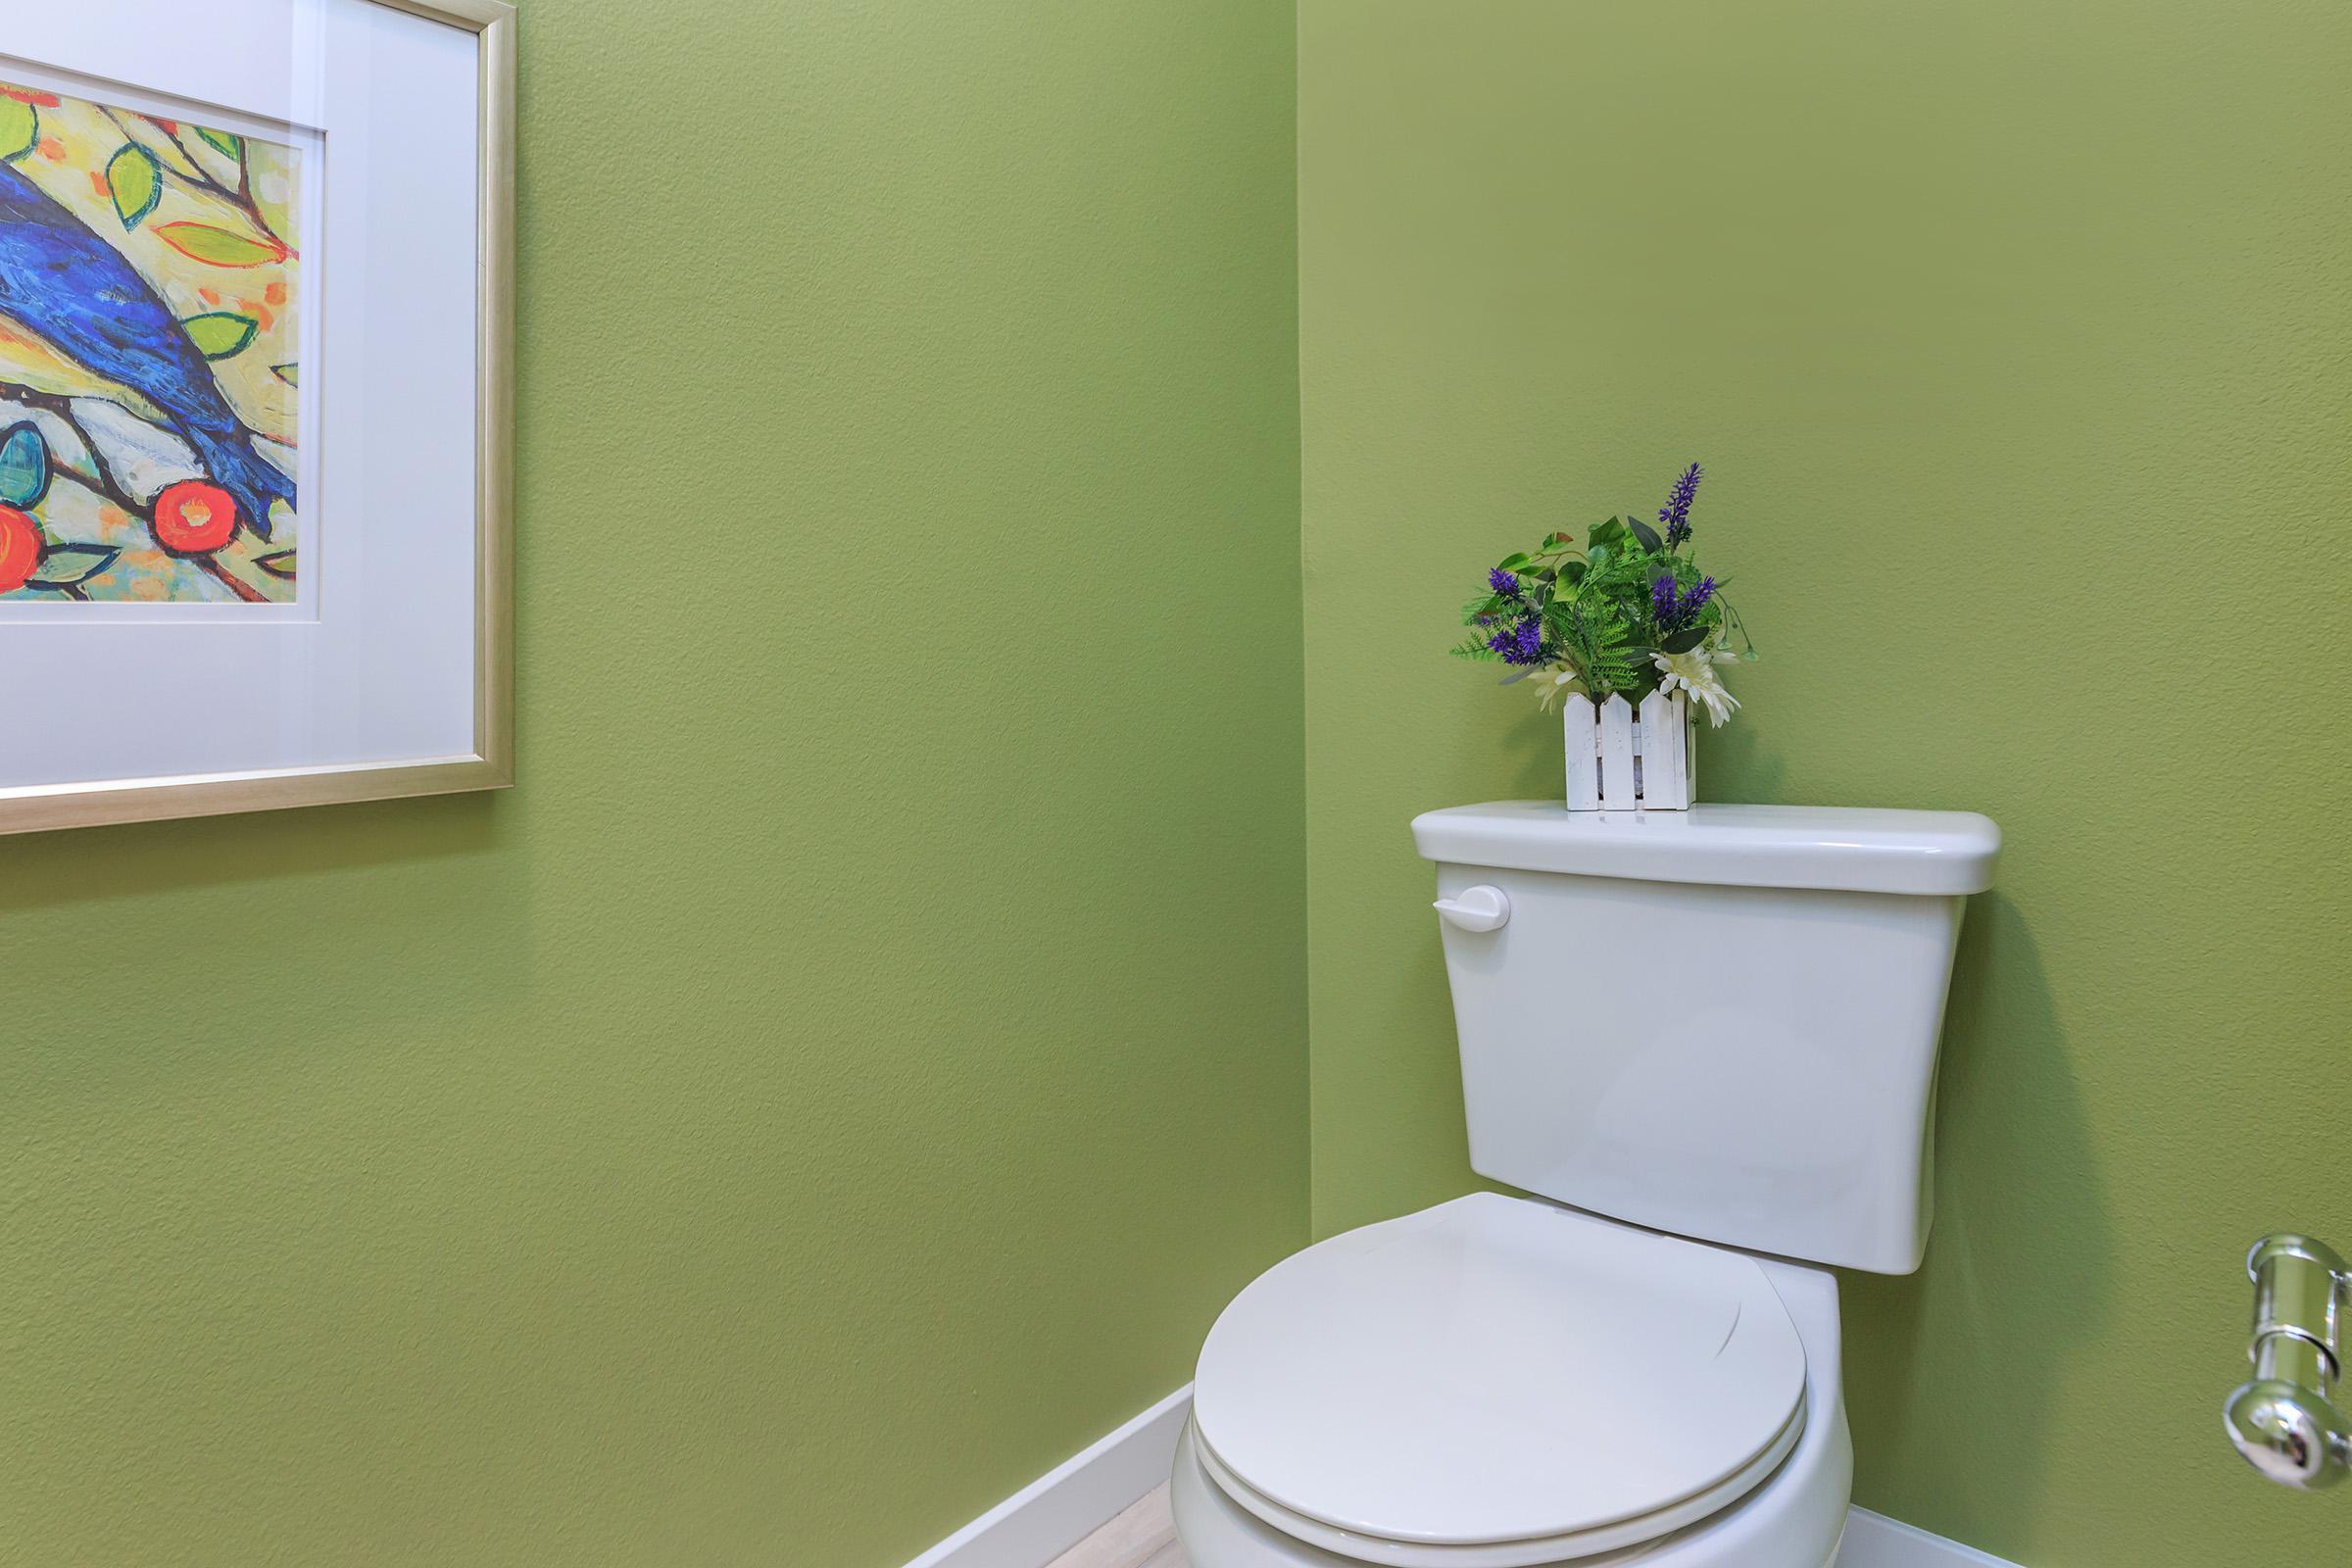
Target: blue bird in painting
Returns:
[[62, 282]]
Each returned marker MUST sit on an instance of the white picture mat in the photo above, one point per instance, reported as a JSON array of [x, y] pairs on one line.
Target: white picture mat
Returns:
[[378, 662]]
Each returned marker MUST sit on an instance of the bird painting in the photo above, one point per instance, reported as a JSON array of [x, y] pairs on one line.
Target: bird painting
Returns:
[[147, 323]]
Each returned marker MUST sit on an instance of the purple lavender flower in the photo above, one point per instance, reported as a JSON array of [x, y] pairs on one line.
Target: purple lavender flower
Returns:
[[1522, 644], [1674, 611], [1504, 583], [1676, 513]]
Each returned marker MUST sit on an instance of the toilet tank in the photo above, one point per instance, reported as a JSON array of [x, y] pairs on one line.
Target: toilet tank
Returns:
[[1720, 1023]]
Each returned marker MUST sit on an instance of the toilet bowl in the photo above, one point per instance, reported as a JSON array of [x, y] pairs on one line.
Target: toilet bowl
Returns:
[[1704, 1042], [1505, 1382]]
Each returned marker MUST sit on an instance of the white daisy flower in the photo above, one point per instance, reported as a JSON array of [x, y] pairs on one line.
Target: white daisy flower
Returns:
[[1695, 673], [1554, 683]]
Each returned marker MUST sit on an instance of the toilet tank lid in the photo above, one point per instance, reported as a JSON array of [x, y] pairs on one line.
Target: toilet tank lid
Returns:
[[1845, 848]]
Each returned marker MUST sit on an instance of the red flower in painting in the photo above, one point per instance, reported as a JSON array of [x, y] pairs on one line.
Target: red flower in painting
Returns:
[[194, 518], [19, 548], [26, 95]]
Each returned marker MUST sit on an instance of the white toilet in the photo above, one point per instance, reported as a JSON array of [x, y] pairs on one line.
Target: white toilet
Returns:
[[1717, 1028]]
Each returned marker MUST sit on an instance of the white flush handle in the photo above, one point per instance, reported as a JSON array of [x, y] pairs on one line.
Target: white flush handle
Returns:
[[1479, 908]]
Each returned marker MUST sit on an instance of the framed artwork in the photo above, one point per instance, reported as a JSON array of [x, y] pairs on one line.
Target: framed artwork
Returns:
[[256, 405]]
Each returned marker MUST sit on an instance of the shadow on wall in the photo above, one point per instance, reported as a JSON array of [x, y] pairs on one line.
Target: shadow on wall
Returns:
[[1742, 751], [75, 865], [2019, 1274], [1538, 770], [271, 928]]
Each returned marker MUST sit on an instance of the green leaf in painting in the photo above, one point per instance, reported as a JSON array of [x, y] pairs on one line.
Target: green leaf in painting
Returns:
[[219, 247], [1647, 536], [1605, 533], [287, 373], [222, 142], [70, 565], [137, 183], [220, 333], [280, 565], [24, 467], [20, 128], [272, 178]]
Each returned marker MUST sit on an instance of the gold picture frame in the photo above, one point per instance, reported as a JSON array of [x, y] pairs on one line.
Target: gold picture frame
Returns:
[[491, 765]]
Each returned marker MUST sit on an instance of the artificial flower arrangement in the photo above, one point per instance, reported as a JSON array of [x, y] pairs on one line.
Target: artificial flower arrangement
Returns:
[[1625, 615]]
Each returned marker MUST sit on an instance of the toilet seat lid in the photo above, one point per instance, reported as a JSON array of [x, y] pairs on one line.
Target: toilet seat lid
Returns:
[[1496, 1370]]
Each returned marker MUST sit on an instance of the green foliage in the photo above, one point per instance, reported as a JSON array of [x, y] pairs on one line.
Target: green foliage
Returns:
[[1598, 606], [1596, 640], [1476, 647], [1602, 625]]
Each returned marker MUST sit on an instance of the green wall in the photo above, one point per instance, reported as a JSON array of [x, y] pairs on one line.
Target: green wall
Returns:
[[2013, 336], [850, 1071], [853, 1069]]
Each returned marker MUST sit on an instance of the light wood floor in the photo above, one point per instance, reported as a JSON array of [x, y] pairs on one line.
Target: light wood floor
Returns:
[[1143, 1537]]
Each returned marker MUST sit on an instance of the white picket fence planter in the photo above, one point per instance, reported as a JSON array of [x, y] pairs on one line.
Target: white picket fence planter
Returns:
[[1618, 761]]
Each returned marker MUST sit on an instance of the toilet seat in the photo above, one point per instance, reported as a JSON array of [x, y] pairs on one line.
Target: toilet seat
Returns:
[[1627, 1542], [1497, 1382]]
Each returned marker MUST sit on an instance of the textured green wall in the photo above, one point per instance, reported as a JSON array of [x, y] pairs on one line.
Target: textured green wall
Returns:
[[778, 1129], [2014, 336], [852, 1069]]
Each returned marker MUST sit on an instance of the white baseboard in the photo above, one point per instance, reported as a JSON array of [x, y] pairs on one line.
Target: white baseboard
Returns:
[[1874, 1540], [1063, 1507]]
